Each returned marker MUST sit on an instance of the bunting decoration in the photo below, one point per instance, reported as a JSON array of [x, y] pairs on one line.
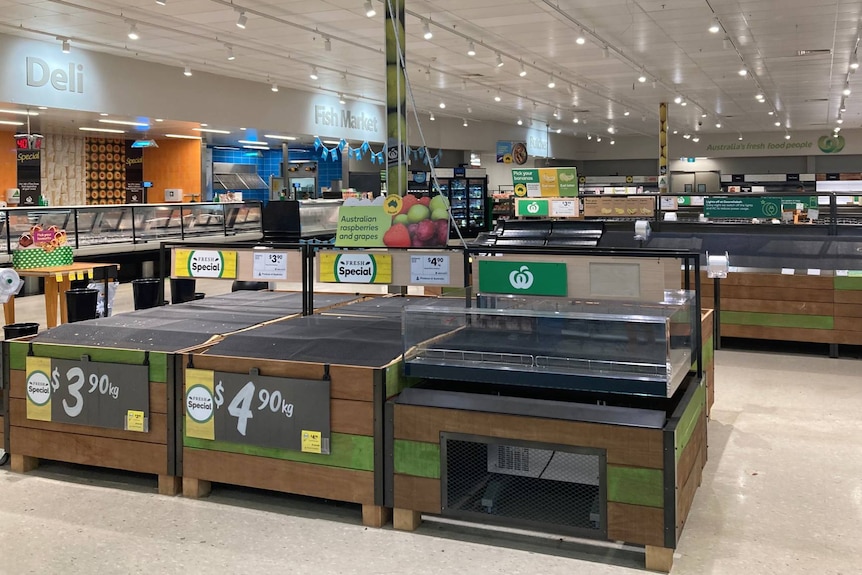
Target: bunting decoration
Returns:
[[364, 149]]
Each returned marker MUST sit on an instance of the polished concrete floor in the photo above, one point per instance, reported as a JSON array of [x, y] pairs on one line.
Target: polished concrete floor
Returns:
[[782, 494]]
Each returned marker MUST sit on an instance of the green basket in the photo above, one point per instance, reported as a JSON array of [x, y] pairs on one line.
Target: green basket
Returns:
[[39, 258]]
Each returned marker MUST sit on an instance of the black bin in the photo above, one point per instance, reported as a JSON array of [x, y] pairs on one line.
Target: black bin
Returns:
[[146, 292], [81, 304], [14, 330], [182, 290]]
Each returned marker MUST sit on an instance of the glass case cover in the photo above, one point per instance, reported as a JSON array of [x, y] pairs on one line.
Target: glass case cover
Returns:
[[632, 347]]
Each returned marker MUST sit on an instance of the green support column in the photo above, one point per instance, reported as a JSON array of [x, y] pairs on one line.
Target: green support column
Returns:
[[396, 100], [663, 175]]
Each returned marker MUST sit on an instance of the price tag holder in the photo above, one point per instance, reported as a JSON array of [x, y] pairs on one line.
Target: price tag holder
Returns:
[[110, 395], [429, 270], [813, 271], [275, 412], [270, 266], [787, 271]]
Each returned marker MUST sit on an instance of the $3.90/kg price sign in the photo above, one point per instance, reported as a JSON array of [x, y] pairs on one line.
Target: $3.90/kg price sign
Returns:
[[429, 269], [251, 409], [111, 395]]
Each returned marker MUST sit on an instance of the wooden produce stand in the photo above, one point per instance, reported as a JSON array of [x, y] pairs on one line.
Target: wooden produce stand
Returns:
[[561, 412], [707, 319]]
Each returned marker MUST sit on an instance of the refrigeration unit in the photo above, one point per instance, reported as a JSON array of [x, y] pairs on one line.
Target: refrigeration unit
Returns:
[[467, 191]]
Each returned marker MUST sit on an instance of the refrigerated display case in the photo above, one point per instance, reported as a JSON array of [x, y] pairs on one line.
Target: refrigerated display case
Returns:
[[467, 192]]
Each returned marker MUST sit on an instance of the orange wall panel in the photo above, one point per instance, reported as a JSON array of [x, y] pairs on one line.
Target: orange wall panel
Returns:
[[174, 164], [8, 168]]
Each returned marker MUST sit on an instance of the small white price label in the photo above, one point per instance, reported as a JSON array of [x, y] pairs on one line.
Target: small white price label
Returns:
[[270, 266], [787, 271], [563, 208], [429, 269], [813, 272]]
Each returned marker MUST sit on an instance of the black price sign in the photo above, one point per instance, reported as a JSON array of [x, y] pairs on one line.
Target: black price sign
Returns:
[[277, 412], [111, 395]]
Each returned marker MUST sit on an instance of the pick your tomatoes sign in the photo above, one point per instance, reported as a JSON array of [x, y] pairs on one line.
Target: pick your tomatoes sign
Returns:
[[394, 221]]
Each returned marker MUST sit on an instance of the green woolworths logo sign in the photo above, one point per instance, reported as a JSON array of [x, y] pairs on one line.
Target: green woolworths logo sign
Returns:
[[526, 278], [831, 144]]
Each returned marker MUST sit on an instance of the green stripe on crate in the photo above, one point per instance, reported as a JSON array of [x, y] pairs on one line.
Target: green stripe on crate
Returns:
[[417, 458], [847, 283], [635, 485], [777, 319], [693, 412], [346, 451], [396, 381], [158, 360], [708, 351]]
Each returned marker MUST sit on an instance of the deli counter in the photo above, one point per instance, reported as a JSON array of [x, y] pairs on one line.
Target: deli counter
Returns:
[[104, 230]]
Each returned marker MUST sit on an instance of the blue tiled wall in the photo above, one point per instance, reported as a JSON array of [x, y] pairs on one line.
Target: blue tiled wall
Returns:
[[269, 164]]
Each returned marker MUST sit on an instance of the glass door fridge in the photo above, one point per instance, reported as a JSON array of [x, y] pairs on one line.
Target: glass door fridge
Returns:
[[466, 189], [478, 206]]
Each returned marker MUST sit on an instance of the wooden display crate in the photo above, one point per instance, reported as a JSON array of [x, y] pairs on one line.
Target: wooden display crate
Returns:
[[707, 320], [351, 472], [30, 440], [651, 474]]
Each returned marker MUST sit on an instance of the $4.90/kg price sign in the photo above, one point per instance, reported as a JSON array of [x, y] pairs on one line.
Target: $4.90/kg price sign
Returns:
[[276, 412], [429, 269], [111, 395]]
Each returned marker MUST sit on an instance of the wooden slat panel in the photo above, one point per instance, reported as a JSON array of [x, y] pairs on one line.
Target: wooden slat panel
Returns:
[[776, 293], [158, 426], [848, 310], [779, 333], [776, 281], [158, 391], [280, 475], [848, 324], [624, 445], [848, 337], [847, 296], [707, 319], [770, 306], [267, 367], [636, 524], [348, 381], [87, 450], [688, 459], [417, 493], [352, 417], [685, 494]]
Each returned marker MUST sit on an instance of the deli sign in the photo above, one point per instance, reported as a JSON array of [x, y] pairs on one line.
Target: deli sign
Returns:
[[64, 79]]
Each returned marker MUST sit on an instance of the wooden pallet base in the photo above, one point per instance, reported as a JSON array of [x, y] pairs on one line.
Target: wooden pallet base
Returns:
[[375, 515], [406, 519], [196, 488], [659, 558]]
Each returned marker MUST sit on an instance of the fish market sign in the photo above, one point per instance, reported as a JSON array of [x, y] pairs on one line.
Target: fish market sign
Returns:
[[330, 117]]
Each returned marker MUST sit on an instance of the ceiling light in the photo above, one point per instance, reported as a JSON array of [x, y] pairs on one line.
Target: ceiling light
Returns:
[[332, 142], [11, 123], [43, 107], [182, 136], [369, 9], [559, 130], [469, 110], [126, 123], [854, 62], [743, 72], [843, 107], [251, 142], [204, 125], [777, 123], [551, 83], [225, 148], [598, 138], [612, 142], [272, 137], [465, 122], [21, 112], [557, 114], [786, 136], [687, 136], [580, 40], [589, 136], [257, 147], [523, 71], [675, 132], [133, 32], [499, 60], [739, 138], [341, 99], [313, 74], [274, 88], [610, 129], [471, 49], [575, 120], [107, 130], [725, 43], [683, 103], [159, 120], [187, 71], [161, 2], [759, 96], [426, 31], [840, 120], [211, 130], [497, 96], [678, 100], [771, 112], [442, 105], [230, 55], [241, 21], [714, 26], [642, 77], [718, 124], [837, 129], [520, 122], [695, 139], [846, 91], [606, 53], [66, 46], [431, 116], [626, 113], [327, 45]]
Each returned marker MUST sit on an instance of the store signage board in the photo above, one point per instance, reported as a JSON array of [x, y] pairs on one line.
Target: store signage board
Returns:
[[269, 266], [532, 208], [110, 395], [250, 409], [429, 270], [357, 268], [205, 264], [755, 206], [523, 278], [616, 206], [546, 182], [29, 180], [564, 208], [393, 221]]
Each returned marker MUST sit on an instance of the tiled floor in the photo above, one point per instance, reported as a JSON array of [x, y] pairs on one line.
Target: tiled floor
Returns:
[[782, 493]]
